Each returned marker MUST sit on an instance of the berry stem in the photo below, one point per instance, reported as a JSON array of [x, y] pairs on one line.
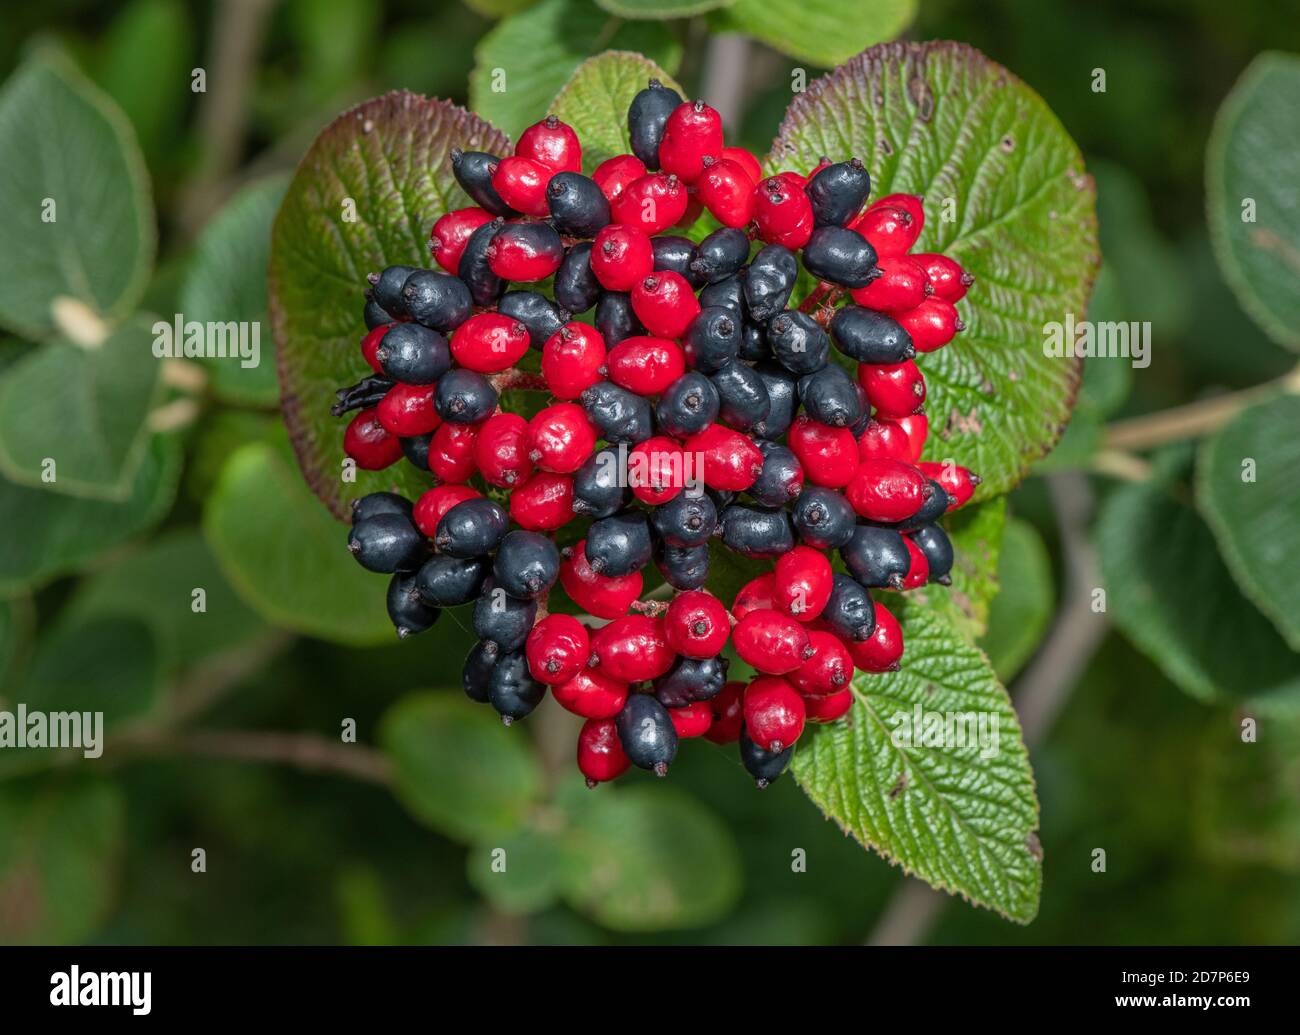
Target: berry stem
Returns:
[[518, 380]]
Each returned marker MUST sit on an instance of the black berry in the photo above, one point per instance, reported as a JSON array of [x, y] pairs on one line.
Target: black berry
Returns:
[[619, 544], [619, 415], [876, 557], [472, 528], [437, 300], [408, 612], [823, 518], [838, 192], [647, 116], [830, 396], [578, 207], [756, 531], [473, 171], [647, 734], [512, 690], [387, 543], [769, 281], [414, 354], [527, 564], [446, 581], [849, 612], [464, 397], [575, 286], [870, 337]]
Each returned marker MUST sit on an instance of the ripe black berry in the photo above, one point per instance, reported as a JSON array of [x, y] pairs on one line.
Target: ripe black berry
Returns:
[[446, 581], [742, 394], [823, 518], [408, 612], [414, 354], [600, 485], [416, 449], [535, 311], [464, 397], [688, 405], [798, 342], [937, 547], [830, 396], [386, 288], [685, 520], [577, 205], [876, 556], [870, 337], [375, 315], [380, 503], [387, 543], [781, 479], [729, 292], [619, 544], [512, 690], [782, 398], [615, 318], [647, 734], [721, 254], [647, 116], [485, 287], [503, 620], [527, 564], [692, 679], [753, 343], [841, 256], [713, 339], [619, 415], [437, 300], [472, 528], [683, 567], [763, 765], [838, 192], [935, 506], [575, 286], [849, 612], [756, 531], [473, 171], [769, 281], [476, 673]]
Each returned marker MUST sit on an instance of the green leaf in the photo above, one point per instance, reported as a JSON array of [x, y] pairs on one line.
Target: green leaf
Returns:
[[286, 556], [457, 768], [821, 32], [1251, 155], [498, 8], [50, 532], [648, 859], [976, 534], [17, 618], [1020, 613], [59, 857], [1256, 522], [595, 101], [963, 823], [537, 50], [660, 10], [389, 156], [533, 861], [941, 120], [85, 408], [1169, 592], [78, 151], [156, 584], [147, 52], [226, 281]]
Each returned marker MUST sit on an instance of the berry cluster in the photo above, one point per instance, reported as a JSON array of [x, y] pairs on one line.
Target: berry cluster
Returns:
[[696, 405]]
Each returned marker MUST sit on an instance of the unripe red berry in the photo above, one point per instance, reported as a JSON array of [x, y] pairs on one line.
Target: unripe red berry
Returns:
[[887, 490], [645, 365], [774, 713], [557, 649], [801, 583], [957, 481], [601, 595], [656, 470], [696, 624], [829, 456], [901, 285], [829, 708], [912, 204], [728, 714], [489, 342], [746, 160], [918, 567], [692, 720], [890, 229], [894, 389], [560, 438], [693, 131], [727, 191], [881, 651], [771, 642], [783, 212], [621, 256], [755, 595], [916, 426], [434, 503], [600, 753], [727, 459], [408, 410], [370, 346], [591, 694], [665, 303], [632, 648], [501, 450], [451, 452], [572, 359], [452, 232], [932, 324], [884, 439], [947, 278], [521, 182], [651, 203], [614, 174], [552, 143], [828, 671], [369, 444], [543, 503]]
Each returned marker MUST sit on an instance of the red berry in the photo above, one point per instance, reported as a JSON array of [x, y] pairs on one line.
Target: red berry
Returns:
[[802, 583], [794, 179], [451, 452], [828, 671], [932, 324], [370, 345], [560, 438], [408, 410], [552, 143], [369, 444], [887, 490], [946, 276], [727, 191], [692, 132], [881, 651], [912, 204], [645, 365], [755, 595], [901, 285], [783, 212], [694, 209], [591, 694], [614, 174], [958, 482], [621, 256], [651, 203], [632, 648], [557, 649], [745, 159], [434, 503], [829, 456], [829, 708], [572, 359], [771, 642], [890, 229], [600, 753], [525, 251], [726, 459], [600, 595], [696, 624], [728, 714], [918, 567], [774, 713], [452, 232], [916, 427], [489, 342], [884, 439], [543, 503], [665, 303], [656, 470], [894, 389], [692, 720], [501, 450], [521, 182]]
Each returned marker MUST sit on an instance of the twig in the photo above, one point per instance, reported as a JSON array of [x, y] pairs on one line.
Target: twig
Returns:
[[725, 64]]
